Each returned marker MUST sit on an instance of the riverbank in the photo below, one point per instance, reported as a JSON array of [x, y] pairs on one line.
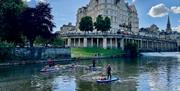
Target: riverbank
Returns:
[[94, 52], [31, 62]]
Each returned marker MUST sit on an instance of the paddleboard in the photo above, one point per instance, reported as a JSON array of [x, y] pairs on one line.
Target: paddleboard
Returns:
[[108, 80]]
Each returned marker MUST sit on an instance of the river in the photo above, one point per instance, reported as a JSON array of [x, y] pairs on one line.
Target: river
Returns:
[[150, 72]]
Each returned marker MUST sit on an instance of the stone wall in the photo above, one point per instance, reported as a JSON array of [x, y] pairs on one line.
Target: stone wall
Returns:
[[35, 53]]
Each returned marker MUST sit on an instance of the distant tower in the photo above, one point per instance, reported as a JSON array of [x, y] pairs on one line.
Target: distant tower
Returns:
[[168, 29]]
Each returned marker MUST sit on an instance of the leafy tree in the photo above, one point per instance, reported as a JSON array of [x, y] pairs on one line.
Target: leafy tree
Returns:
[[9, 10], [86, 24], [102, 24], [28, 21], [45, 24], [58, 42], [99, 24], [40, 41], [107, 24], [37, 22], [53, 40], [6, 44]]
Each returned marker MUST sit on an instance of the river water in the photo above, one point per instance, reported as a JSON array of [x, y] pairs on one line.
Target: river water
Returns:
[[151, 72]]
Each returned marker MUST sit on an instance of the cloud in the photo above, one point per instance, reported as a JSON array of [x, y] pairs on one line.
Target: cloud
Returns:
[[177, 28], [40, 0], [159, 10], [133, 1], [26, 0], [35, 0], [175, 9]]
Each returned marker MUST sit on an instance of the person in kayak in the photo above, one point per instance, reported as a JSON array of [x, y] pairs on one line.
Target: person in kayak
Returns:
[[108, 70]]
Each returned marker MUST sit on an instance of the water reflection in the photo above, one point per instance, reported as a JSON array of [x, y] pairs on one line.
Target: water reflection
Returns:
[[142, 74]]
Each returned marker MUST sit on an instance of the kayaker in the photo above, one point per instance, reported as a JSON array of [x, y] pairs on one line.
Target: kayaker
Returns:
[[108, 70]]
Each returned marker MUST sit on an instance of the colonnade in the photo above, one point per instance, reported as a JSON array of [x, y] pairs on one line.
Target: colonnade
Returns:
[[112, 42]]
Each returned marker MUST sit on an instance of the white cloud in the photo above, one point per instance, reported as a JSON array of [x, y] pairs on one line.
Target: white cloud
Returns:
[[175, 9], [133, 1], [177, 28], [41, 0], [26, 0], [159, 10], [35, 0]]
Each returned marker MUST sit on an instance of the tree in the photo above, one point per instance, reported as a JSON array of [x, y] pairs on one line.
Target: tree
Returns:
[[57, 42], [37, 22], [107, 24], [102, 24], [9, 10], [99, 24], [86, 24], [45, 24]]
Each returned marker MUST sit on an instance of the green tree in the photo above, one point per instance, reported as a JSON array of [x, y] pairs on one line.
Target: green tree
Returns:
[[40, 41], [107, 24], [86, 24], [58, 42], [102, 24], [99, 24], [37, 22], [9, 11]]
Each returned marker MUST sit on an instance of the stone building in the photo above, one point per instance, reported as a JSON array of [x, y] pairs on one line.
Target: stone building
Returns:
[[152, 31], [120, 13], [67, 28], [124, 29], [169, 34]]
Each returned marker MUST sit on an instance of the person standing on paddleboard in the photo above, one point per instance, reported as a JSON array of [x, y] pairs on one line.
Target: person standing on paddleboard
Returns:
[[108, 70], [94, 63]]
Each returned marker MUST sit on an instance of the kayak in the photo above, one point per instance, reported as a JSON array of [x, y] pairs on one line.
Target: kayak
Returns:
[[53, 69], [108, 80], [93, 68]]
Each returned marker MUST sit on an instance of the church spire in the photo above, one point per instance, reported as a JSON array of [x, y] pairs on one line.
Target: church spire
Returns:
[[168, 29]]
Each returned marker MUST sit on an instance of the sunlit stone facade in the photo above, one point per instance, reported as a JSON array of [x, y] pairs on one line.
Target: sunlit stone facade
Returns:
[[118, 11]]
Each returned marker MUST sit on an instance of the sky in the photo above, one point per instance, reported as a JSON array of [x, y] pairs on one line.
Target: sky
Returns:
[[149, 11]]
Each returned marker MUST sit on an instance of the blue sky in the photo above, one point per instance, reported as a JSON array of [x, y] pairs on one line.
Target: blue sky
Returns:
[[149, 11]]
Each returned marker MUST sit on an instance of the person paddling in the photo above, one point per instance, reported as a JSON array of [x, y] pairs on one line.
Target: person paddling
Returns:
[[108, 70]]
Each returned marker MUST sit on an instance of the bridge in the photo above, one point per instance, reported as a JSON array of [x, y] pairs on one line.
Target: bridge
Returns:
[[107, 40]]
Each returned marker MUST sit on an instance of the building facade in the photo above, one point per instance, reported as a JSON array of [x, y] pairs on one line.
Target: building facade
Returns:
[[152, 31], [67, 28], [120, 13]]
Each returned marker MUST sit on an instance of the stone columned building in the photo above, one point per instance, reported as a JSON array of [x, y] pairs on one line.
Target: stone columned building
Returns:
[[123, 17]]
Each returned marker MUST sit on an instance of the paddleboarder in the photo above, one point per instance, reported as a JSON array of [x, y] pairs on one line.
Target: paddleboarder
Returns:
[[94, 63], [108, 70]]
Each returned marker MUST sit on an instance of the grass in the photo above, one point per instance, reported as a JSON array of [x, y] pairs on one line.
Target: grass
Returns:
[[92, 51]]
